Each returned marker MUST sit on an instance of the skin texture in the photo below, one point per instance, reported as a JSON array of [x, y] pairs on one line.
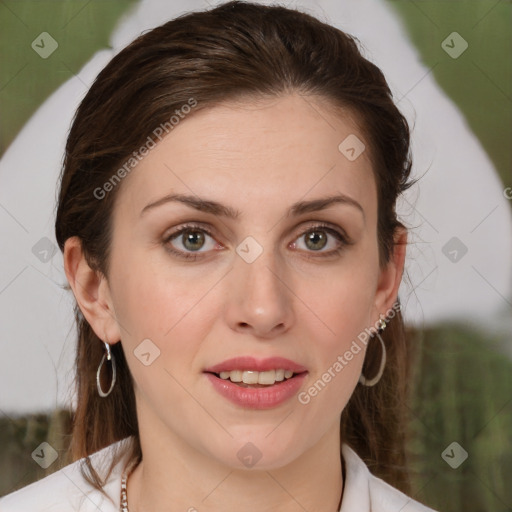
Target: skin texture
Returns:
[[258, 157]]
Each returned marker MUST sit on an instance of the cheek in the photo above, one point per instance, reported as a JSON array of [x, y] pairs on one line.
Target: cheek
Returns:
[[173, 311], [343, 305], [343, 298], [339, 350], [339, 353], [154, 298]]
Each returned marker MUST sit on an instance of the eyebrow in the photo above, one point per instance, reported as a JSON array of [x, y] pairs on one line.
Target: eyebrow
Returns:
[[216, 208]]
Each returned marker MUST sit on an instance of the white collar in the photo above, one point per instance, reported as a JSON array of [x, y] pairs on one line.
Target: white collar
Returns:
[[66, 489], [356, 492], [363, 492]]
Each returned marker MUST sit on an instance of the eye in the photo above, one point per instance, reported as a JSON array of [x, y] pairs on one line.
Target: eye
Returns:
[[316, 238], [191, 238]]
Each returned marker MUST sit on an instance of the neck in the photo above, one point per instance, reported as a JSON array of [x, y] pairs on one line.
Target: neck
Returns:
[[172, 473]]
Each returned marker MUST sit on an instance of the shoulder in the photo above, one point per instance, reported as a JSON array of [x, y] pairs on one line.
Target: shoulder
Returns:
[[365, 492], [66, 490]]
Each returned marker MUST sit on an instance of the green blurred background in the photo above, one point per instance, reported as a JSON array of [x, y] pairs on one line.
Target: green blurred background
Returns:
[[462, 386]]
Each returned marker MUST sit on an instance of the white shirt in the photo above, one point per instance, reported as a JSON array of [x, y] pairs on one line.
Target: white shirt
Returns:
[[66, 490]]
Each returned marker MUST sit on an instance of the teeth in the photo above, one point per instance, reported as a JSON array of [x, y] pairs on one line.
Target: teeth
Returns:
[[234, 376], [252, 377], [267, 378], [249, 377]]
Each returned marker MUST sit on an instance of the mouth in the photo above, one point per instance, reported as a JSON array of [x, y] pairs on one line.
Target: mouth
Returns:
[[258, 389], [250, 372], [257, 379]]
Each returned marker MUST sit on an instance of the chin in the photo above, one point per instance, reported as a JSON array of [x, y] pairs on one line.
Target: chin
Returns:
[[256, 451]]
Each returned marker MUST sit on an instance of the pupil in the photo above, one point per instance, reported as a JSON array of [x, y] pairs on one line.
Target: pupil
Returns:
[[316, 237], [192, 238]]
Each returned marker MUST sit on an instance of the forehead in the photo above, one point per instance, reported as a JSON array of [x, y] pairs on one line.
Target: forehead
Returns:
[[245, 154]]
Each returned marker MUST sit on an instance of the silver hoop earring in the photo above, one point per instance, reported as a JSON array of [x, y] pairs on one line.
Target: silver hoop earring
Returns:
[[110, 357], [371, 382]]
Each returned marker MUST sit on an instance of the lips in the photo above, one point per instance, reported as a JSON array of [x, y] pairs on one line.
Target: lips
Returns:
[[271, 393], [260, 397], [248, 363]]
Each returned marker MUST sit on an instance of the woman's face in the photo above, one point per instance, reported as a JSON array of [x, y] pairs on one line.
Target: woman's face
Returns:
[[252, 277]]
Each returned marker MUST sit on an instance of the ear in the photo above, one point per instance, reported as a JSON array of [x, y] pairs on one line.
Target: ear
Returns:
[[390, 276], [91, 290]]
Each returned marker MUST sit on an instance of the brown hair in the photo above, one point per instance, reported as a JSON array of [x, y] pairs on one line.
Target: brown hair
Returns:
[[236, 50]]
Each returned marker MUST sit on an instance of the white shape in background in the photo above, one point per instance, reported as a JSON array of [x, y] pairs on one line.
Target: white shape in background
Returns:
[[453, 199]]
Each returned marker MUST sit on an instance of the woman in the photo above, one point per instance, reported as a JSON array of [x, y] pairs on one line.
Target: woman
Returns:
[[227, 219]]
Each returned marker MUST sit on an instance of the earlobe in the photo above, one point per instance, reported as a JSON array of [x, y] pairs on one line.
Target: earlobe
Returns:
[[391, 276], [91, 291]]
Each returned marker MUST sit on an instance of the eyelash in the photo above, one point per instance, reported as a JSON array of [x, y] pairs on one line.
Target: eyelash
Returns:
[[342, 239]]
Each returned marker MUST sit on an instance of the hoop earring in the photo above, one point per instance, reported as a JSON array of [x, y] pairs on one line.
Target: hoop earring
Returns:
[[110, 357], [371, 382]]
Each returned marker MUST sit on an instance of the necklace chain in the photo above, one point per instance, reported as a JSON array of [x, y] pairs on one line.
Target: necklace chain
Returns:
[[124, 494]]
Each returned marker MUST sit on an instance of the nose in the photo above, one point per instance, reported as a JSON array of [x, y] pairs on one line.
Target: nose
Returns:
[[260, 301]]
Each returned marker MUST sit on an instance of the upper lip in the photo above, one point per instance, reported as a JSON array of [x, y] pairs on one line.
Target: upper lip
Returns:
[[258, 365]]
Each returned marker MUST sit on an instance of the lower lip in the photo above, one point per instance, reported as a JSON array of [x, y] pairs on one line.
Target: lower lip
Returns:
[[258, 398]]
